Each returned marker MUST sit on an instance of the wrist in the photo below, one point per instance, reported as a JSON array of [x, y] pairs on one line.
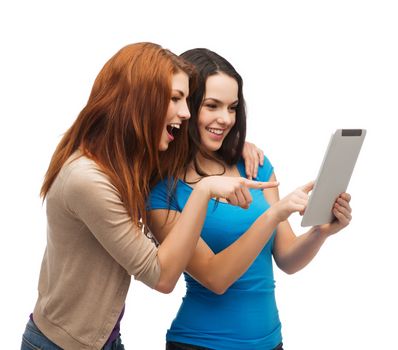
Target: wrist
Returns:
[[203, 188], [273, 215], [320, 232]]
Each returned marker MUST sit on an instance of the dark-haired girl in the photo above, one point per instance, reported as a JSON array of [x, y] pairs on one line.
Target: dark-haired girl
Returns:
[[230, 300]]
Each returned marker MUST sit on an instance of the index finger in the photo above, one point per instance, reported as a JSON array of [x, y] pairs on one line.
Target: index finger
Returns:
[[261, 185]]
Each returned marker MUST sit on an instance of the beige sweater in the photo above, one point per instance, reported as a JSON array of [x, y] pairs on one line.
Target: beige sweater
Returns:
[[92, 249]]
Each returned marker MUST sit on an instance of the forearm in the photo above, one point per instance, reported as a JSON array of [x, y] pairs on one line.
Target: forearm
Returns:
[[226, 267], [302, 251], [177, 248]]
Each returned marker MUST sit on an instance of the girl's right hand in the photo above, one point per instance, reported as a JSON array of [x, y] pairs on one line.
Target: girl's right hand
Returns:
[[234, 189], [295, 201]]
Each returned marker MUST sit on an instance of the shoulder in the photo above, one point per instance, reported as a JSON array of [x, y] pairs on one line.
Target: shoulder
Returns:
[[82, 179], [83, 172]]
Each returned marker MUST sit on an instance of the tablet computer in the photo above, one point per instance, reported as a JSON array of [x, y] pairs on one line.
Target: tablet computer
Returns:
[[334, 175]]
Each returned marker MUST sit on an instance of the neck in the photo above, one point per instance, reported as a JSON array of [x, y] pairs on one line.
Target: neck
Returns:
[[205, 166], [213, 166]]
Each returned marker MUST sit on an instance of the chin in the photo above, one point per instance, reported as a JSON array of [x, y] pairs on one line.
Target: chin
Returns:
[[212, 147], [163, 147]]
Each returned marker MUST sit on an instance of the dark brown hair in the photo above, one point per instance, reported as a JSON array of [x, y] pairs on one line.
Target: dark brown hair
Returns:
[[208, 63]]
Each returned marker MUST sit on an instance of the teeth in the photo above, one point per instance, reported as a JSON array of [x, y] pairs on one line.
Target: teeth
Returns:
[[215, 131], [175, 125]]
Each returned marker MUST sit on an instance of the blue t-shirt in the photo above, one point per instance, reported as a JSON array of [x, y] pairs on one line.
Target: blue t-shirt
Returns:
[[245, 316]]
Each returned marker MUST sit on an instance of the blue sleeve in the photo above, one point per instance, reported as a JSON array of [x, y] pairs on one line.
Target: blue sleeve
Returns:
[[265, 171], [162, 196]]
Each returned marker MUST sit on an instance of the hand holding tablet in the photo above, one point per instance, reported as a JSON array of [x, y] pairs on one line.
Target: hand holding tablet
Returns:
[[334, 175]]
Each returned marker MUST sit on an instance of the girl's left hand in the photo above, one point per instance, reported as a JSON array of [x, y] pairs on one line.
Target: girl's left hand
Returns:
[[253, 157], [342, 211]]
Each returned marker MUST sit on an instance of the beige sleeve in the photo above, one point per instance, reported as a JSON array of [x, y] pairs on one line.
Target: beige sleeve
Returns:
[[89, 194]]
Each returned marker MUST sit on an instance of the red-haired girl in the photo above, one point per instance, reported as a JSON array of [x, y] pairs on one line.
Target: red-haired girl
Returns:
[[96, 189]]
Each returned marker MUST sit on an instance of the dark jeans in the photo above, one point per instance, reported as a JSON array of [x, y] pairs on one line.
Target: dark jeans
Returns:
[[34, 339], [171, 345]]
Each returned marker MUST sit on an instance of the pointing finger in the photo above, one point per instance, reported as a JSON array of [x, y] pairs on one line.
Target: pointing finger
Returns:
[[261, 185]]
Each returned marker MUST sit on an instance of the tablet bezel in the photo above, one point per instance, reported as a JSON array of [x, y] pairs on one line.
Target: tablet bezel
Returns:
[[333, 176]]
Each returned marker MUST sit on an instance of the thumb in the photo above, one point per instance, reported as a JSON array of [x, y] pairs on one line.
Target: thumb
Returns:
[[308, 187]]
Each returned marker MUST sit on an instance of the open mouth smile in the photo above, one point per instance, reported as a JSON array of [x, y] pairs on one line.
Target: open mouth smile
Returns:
[[215, 131], [172, 129]]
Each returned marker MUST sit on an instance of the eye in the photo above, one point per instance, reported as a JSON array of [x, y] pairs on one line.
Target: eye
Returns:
[[233, 108], [211, 105], [175, 98]]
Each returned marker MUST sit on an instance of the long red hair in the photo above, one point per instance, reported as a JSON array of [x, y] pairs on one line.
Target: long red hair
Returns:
[[121, 125]]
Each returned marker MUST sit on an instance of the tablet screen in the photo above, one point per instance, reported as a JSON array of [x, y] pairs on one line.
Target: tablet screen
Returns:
[[334, 175]]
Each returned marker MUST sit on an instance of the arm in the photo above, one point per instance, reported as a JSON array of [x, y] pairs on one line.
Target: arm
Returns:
[[179, 244], [175, 251], [292, 253], [89, 196], [218, 272]]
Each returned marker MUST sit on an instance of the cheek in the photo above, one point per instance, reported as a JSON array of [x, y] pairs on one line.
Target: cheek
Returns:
[[170, 111], [204, 118], [233, 121], [201, 125], [201, 131]]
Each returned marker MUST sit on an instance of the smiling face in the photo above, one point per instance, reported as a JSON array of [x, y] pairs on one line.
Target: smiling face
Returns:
[[177, 111], [217, 113]]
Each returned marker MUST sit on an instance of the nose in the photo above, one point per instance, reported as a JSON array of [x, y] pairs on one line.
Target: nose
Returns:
[[225, 117], [183, 112]]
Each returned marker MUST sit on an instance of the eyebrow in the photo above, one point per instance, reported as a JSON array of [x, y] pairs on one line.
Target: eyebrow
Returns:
[[218, 101], [179, 92]]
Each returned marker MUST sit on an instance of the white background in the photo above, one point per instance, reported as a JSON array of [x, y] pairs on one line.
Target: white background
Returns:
[[309, 68]]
